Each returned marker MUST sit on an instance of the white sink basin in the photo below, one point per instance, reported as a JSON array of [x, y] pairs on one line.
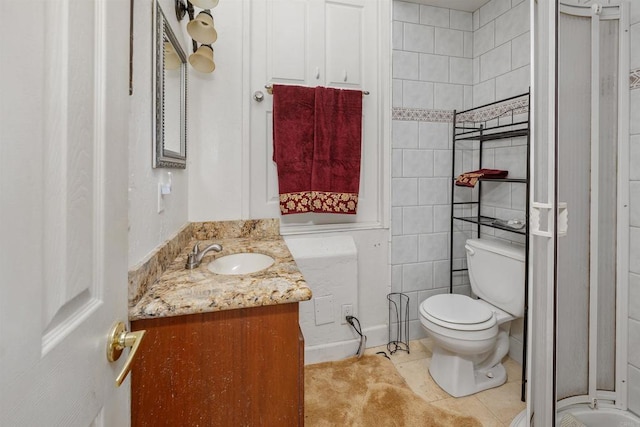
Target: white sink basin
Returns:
[[242, 263]]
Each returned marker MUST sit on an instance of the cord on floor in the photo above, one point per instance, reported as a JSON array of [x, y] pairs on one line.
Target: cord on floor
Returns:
[[355, 323]]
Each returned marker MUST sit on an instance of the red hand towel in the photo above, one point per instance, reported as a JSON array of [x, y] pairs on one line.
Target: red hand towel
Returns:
[[293, 141], [335, 179], [469, 179]]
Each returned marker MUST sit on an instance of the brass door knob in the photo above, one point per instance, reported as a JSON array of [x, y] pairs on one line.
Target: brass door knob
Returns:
[[118, 339]]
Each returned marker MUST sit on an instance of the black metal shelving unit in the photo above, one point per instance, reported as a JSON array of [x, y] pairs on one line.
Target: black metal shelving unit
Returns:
[[480, 126]]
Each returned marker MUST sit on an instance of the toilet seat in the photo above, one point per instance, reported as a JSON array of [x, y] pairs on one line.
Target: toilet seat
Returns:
[[457, 312]]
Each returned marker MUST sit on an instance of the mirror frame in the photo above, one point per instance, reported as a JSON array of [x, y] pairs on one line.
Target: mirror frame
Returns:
[[163, 157]]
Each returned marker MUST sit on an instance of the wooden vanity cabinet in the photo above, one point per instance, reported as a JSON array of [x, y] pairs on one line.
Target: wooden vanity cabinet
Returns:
[[241, 367]]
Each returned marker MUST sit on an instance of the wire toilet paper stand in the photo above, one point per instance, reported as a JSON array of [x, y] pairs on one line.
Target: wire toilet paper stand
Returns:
[[398, 322]]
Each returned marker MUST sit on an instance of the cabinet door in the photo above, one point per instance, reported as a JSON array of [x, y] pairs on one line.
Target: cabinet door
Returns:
[[344, 32]]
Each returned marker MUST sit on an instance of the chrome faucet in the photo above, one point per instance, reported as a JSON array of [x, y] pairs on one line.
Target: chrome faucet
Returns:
[[195, 257]]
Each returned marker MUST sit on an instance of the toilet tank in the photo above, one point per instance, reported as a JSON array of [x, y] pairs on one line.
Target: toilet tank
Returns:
[[496, 272]]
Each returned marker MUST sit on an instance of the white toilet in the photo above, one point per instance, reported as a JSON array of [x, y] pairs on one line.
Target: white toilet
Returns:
[[471, 336]]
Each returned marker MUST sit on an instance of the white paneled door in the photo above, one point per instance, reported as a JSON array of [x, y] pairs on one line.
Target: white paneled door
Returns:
[[315, 43], [63, 210]]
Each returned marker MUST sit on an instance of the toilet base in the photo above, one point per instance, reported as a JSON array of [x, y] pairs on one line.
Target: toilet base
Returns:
[[456, 375]]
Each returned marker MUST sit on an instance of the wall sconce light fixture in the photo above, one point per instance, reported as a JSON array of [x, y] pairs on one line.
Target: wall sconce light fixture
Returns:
[[201, 30]]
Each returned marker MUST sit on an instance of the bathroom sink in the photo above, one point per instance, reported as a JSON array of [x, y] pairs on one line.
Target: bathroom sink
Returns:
[[242, 263]]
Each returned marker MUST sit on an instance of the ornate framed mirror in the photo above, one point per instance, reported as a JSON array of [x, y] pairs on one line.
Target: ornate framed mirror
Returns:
[[170, 100]]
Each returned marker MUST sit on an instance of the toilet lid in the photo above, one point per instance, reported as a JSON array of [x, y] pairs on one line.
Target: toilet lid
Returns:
[[456, 309]]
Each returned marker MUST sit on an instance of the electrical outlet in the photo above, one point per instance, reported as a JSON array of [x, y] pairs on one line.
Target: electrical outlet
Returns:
[[347, 310]]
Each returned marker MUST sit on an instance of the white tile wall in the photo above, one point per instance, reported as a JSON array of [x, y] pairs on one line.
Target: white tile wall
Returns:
[[404, 134], [449, 42], [417, 163], [634, 249], [634, 343], [448, 96], [634, 219], [405, 11], [495, 62], [417, 94], [460, 70], [416, 277], [436, 16], [634, 296], [509, 25], [493, 9], [418, 38], [434, 68], [417, 219], [436, 135], [460, 20], [404, 192], [634, 389], [484, 39], [445, 59], [634, 157], [520, 50], [405, 65]]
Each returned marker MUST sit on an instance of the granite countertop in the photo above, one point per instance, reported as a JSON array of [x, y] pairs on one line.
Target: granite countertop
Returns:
[[181, 292]]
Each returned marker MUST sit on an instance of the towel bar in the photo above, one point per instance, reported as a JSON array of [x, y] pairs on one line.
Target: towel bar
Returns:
[[269, 89]]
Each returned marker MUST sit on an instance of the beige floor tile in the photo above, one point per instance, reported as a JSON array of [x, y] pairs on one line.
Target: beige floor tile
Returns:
[[504, 401], [417, 351], [514, 370], [416, 374], [428, 343], [469, 405]]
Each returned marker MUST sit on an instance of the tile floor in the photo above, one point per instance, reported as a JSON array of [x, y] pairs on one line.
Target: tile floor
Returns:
[[495, 407]]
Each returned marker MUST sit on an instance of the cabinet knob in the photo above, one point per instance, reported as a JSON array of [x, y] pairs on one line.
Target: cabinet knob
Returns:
[[345, 75], [317, 73]]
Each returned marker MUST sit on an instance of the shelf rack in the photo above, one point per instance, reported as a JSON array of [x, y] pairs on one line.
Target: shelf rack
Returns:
[[476, 127]]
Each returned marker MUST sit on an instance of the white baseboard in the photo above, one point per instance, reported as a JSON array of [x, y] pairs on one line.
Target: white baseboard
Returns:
[[376, 336]]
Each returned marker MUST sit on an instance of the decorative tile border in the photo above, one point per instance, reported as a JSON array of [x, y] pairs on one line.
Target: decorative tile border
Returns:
[[515, 106], [421, 115], [634, 79]]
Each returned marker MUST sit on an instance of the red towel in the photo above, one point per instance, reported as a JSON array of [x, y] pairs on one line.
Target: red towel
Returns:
[[469, 179], [317, 148], [335, 180], [293, 134]]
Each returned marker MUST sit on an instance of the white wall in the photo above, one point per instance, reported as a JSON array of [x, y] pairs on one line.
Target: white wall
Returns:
[[149, 229], [215, 158]]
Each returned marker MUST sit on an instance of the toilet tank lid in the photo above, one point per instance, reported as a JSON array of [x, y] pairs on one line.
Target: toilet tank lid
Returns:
[[514, 251]]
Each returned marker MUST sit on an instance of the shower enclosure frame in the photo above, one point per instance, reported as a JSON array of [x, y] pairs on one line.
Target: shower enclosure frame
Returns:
[[618, 397], [542, 406], [541, 389]]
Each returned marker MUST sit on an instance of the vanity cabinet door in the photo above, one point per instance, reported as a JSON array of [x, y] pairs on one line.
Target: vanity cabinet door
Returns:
[[238, 367]]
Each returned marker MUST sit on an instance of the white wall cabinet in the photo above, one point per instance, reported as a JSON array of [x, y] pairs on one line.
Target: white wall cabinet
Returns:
[[317, 43]]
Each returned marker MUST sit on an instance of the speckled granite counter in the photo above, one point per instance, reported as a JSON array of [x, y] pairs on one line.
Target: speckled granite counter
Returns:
[[181, 292]]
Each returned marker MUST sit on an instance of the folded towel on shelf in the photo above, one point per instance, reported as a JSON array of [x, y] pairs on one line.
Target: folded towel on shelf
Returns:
[[469, 179]]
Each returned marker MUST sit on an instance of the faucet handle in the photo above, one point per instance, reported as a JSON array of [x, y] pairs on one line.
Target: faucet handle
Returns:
[[196, 248]]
